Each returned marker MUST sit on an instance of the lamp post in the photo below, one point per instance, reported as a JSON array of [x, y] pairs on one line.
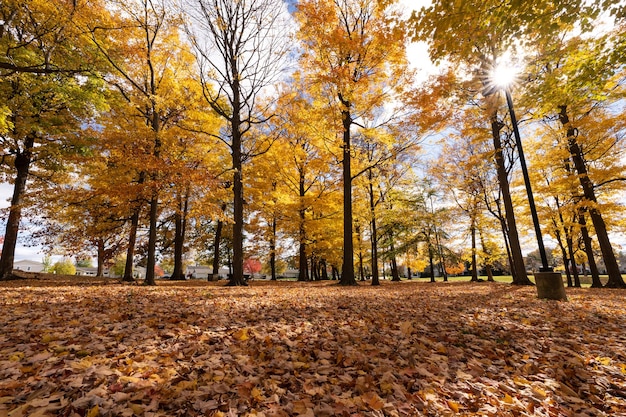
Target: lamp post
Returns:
[[531, 200], [549, 283]]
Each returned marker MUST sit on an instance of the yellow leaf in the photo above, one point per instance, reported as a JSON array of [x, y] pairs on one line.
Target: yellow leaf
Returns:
[[94, 412], [241, 334], [256, 394], [508, 399], [16, 357], [129, 379], [47, 338], [454, 406], [137, 409], [82, 364]]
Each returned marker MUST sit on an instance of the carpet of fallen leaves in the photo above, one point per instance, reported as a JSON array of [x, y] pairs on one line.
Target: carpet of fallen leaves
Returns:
[[101, 348]]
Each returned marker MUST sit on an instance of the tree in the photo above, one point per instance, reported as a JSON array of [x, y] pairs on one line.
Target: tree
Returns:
[[64, 267], [354, 56], [478, 35], [240, 48], [47, 113], [592, 84], [44, 102], [44, 37], [149, 69]]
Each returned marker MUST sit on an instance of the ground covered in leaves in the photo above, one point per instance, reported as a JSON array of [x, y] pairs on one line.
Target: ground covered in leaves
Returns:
[[101, 348]]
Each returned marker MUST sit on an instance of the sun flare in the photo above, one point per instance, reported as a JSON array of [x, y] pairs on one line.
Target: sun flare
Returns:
[[504, 74]]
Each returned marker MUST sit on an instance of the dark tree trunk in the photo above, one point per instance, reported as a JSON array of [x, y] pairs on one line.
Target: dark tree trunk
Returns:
[[361, 268], [152, 237], [408, 269], [302, 261], [347, 270], [395, 275], [360, 255], [566, 260], [612, 268], [432, 264], [442, 259], [474, 263], [518, 270], [132, 241], [273, 250], [155, 123], [236, 278], [315, 276], [22, 166], [216, 246], [591, 259], [373, 231], [324, 270], [572, 258], [180, 221], [505, 235], [100, 258]]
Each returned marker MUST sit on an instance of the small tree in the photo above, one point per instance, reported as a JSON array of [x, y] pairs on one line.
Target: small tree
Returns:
[[64, 267], [47, 263]]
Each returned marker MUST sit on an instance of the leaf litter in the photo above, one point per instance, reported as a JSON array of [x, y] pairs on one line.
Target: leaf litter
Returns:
[[98, 348]]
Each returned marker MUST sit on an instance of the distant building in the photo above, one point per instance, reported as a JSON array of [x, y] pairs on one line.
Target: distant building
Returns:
[[28, 266], [203, 271], [138, 272]]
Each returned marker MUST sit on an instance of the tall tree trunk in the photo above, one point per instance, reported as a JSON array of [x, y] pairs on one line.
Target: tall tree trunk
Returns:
[[216, 246], [395, 275], [180, 220], [442, 259], [302, 260], [347, 270], [505, 234], [360, 255], [132, 241], [430, 260], [570, 250], [567, 261], [303, 267], [518, 270], [22, 166], [474, 263], [612, 268], [324, 274], [155, 124], [100, 258], [273, 249], [591, 259], [152, 237], [236, 277], [361, 267], [373, 231]]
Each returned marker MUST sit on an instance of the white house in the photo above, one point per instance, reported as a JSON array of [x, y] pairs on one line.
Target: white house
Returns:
[[28, 266], [203, 271]]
